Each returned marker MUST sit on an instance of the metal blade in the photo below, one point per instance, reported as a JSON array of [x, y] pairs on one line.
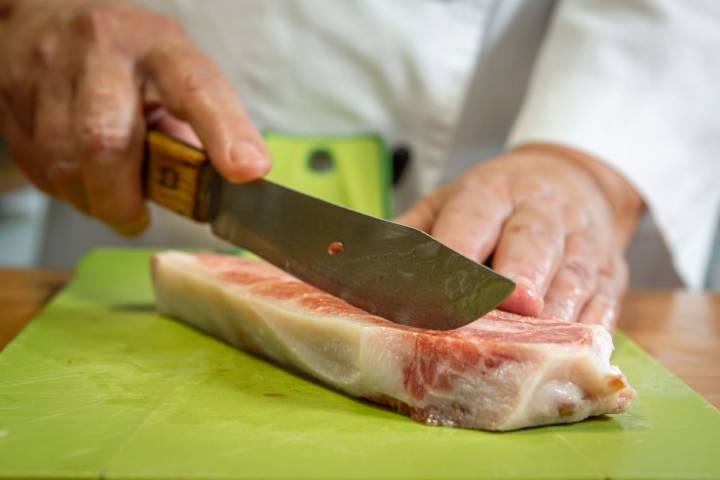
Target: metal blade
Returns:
[[390, 270]]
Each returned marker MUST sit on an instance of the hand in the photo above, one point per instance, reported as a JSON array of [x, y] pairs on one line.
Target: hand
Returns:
[[81, 81], [553, 220]]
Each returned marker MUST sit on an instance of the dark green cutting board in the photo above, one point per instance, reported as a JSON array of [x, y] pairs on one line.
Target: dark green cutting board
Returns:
[[99, 386]]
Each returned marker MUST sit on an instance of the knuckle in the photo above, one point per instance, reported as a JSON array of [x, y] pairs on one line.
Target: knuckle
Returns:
[[537, 227], [193, 81], [44, 51], [196, 80], [530, 230], [481, 185], [529, 189], [102, 139], [61, 174], [486, 184], [167, 25], [93, 21], [580, 272], [577, 219]]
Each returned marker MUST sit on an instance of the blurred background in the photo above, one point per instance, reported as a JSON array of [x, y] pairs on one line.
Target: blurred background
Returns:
[[22, 216]]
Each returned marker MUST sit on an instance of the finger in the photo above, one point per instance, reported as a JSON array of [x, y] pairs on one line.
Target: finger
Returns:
[[604, 306], [528, 252], [162, 120], [194, 89], [20, 98], [421, 215], [67, 181], [575, 279], [55, 147], [470, 221], [21, 149], [109, 129], [159, 118]]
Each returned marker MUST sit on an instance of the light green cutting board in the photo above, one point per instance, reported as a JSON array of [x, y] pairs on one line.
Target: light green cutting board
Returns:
[[99, 386]]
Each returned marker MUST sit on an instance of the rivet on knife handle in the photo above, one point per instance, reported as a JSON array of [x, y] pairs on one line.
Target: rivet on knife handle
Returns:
[[178, 176]]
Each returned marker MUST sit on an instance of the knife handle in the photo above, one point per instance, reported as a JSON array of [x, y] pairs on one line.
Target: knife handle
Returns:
[[178, 176]]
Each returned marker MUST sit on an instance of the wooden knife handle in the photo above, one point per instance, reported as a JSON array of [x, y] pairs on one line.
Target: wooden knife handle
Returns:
[[178, 176]]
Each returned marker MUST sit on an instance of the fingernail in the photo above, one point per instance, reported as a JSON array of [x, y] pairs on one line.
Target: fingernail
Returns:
[[530, 289], [524, 300], [248, 156]]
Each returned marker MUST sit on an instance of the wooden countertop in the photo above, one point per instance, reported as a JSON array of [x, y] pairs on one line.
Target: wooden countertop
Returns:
[[22, 295], [680, 329]]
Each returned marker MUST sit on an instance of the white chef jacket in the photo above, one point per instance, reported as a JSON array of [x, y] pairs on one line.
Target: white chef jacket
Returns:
[[633, 83]]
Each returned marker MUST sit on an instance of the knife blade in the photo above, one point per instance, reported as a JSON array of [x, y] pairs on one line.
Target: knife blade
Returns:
[[390, 270]]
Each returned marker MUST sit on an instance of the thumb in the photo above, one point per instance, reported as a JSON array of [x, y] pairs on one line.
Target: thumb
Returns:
[[193, 88]]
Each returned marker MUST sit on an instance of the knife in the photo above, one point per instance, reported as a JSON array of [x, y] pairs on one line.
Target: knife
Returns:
[[390, 270]]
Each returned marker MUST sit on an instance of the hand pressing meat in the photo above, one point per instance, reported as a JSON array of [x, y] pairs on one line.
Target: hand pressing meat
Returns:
[[552, 219], [80, 82]]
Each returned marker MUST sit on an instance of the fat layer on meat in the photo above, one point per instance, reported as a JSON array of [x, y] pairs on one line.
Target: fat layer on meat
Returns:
[[501, 372]]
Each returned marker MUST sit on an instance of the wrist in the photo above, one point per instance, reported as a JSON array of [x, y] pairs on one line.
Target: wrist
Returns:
[[621, 196]]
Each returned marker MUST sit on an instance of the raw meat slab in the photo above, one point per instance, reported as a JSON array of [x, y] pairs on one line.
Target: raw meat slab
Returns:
[[502, 372]]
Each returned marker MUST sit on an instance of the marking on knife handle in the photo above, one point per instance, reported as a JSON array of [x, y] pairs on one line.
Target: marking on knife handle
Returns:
[[169, 178]]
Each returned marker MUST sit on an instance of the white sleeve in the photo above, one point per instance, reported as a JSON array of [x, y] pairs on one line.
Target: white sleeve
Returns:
[[636, 84]]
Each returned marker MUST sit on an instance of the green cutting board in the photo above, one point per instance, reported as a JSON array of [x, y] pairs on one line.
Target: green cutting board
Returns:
[[100, 386]]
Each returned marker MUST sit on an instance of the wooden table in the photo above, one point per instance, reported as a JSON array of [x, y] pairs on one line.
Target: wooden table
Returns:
[[22, 294], [680, 329]]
